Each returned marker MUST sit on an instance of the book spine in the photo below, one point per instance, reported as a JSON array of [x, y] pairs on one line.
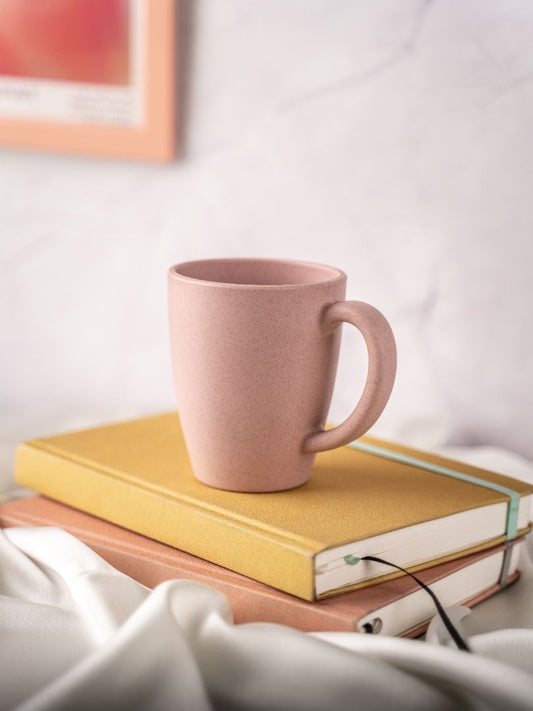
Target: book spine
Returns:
[[249, 551], [250, 601]]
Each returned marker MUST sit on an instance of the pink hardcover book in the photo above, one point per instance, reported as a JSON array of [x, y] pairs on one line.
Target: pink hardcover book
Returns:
[[396, 607]]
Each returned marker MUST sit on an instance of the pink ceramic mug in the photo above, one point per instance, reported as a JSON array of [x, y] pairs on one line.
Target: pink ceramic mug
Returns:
[[255, 344]]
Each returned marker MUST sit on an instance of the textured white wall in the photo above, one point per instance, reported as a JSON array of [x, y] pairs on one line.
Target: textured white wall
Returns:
[[392, 139]]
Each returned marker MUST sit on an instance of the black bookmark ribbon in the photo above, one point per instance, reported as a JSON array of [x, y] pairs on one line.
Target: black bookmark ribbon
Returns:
[[454, 634]]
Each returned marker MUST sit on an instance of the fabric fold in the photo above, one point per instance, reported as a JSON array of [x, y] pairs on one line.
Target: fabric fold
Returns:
[[79, 634]]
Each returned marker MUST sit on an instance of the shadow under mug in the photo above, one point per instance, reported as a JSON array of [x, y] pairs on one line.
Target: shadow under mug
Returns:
[[255, 345]]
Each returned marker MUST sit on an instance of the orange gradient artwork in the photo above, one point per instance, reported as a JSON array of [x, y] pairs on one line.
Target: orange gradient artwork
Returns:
[[84, 41]]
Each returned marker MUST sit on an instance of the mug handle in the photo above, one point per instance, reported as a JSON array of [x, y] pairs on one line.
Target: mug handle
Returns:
[[381, 348]]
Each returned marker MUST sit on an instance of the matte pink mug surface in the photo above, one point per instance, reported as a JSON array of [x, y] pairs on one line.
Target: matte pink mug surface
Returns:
[[255, 345]]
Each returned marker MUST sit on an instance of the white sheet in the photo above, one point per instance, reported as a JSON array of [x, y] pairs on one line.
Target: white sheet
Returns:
[[78, 634], [75, 633]]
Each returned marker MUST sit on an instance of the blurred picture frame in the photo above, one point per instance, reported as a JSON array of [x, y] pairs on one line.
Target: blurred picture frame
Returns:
[[92, 77]]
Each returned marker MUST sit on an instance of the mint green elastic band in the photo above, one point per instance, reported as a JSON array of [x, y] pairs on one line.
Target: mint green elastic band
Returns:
[[514, 496]]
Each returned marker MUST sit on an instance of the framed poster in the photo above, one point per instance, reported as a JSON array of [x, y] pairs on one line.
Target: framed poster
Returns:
[[89, 76]]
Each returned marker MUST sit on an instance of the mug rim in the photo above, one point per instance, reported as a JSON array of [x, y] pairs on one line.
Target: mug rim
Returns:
[[336, 273]]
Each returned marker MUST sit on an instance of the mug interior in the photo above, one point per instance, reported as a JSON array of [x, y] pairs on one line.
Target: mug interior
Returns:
[[258, 272]]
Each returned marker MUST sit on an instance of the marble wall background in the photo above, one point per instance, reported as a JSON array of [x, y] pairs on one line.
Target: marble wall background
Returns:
[[392, 138]]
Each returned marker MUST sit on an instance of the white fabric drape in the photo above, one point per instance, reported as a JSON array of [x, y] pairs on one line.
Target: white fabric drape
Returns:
[[77, 634]]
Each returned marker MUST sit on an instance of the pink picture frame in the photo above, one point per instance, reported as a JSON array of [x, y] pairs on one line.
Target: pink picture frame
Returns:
[[114, 93]]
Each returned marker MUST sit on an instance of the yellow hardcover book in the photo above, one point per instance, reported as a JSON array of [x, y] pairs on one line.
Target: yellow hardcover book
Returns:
[[372, 498]]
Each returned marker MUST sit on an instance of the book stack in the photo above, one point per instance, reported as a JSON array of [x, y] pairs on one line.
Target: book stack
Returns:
[[293, 557]]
